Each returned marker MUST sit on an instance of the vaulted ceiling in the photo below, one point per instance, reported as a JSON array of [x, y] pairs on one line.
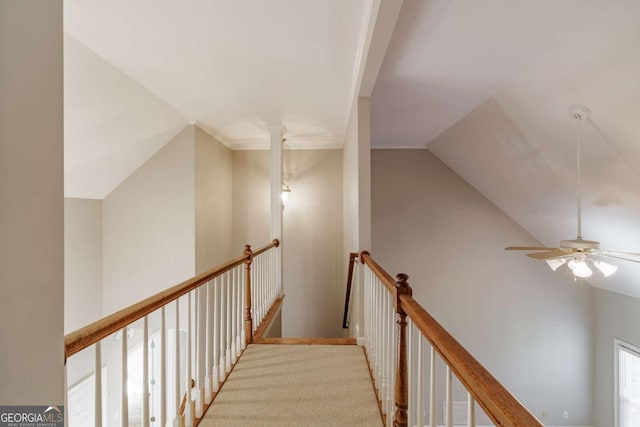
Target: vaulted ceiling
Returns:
[[485, 85], [138, 71]]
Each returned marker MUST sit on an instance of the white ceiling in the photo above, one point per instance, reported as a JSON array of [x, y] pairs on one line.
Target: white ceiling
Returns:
[[487, 86], [137, 71], [112, 124]]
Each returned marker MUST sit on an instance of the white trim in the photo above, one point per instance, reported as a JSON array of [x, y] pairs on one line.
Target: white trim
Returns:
[[617, 344]]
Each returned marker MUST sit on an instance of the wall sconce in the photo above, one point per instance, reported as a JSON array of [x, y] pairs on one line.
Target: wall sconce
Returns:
[[285, 194]]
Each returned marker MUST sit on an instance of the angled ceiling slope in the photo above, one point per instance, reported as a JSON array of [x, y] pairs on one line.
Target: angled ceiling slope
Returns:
[[494, 106], [236, 68], [112, 124]]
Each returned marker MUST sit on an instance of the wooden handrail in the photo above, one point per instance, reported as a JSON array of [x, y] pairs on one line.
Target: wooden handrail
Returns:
[[84, 337], [274, 244], [496, 401], [384, 277], [345, 318], [500, 405]]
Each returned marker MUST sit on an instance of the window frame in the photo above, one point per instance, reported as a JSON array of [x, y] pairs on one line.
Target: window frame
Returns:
[[617, 345]]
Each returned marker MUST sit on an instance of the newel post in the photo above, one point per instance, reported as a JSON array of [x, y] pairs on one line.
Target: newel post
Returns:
[[400, 418], [248, 323]]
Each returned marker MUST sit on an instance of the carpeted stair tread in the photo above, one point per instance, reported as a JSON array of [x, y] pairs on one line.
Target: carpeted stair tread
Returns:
[[297, 385]]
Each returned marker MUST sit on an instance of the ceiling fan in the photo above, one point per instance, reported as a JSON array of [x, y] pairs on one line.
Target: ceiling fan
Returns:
[[578, 253]]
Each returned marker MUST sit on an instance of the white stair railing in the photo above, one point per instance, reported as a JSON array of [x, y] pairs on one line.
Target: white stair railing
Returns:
[[397, 331], [264, 284], [180, 361]]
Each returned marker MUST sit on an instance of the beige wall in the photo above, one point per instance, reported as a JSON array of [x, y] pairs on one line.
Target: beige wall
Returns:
[[149, 226], [82, 262], [250, 199], [531, 327], [313, 281], [313, 262], [82, 276], [617, 316], [212, 201], [31, 203], [356, 187]]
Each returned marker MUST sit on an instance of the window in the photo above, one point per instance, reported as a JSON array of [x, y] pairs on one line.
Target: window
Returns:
[[627, 388]]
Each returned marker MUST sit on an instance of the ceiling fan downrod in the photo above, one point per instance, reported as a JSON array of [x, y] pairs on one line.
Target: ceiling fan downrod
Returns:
[[579, 113]]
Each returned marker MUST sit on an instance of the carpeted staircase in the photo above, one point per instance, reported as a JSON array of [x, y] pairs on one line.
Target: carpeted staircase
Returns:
[[297, 385]]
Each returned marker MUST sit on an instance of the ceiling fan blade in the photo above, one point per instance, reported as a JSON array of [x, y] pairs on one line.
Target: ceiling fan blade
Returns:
[[529, 248], [625, 256], [550, 255]]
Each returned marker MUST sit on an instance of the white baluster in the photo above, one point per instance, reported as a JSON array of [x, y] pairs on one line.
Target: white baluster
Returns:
[[124, 397], [449, 397], [367, 307], [365, 327], [410, 372], [259, 288], [391, 351], [274, 264], [66, 397], [216, 335], [383, 343], [201, 349], [223, 327], [272, 294], [243, 335], [432, 389], [209, 344], [370, 310], [385, 354], [374, 337], [188, 414], [163, 368], [382, 321], [228, 313], [234, 314], [145, 372], [98, 385], [253, 295], [420, 385], [176, 368], [268, 278], [264, 288], [255, 303], [239, 311], [378, 320], [265, 278], [471, 415]]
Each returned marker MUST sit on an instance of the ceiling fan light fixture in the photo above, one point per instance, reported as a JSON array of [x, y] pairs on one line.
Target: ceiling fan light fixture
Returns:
[[605, 268], [578, 252], [556, 263], [581, 269]]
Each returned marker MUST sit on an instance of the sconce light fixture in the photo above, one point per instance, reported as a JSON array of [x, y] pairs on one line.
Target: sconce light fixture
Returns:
[[285, 194]]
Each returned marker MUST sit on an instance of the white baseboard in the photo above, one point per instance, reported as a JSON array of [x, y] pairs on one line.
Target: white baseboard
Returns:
[[360, 341]]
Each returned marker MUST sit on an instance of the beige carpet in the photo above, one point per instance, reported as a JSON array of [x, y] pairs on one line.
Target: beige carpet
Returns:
[[297, 385]]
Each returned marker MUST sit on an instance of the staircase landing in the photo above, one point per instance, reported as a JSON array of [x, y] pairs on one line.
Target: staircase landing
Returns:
[[297, 385]]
